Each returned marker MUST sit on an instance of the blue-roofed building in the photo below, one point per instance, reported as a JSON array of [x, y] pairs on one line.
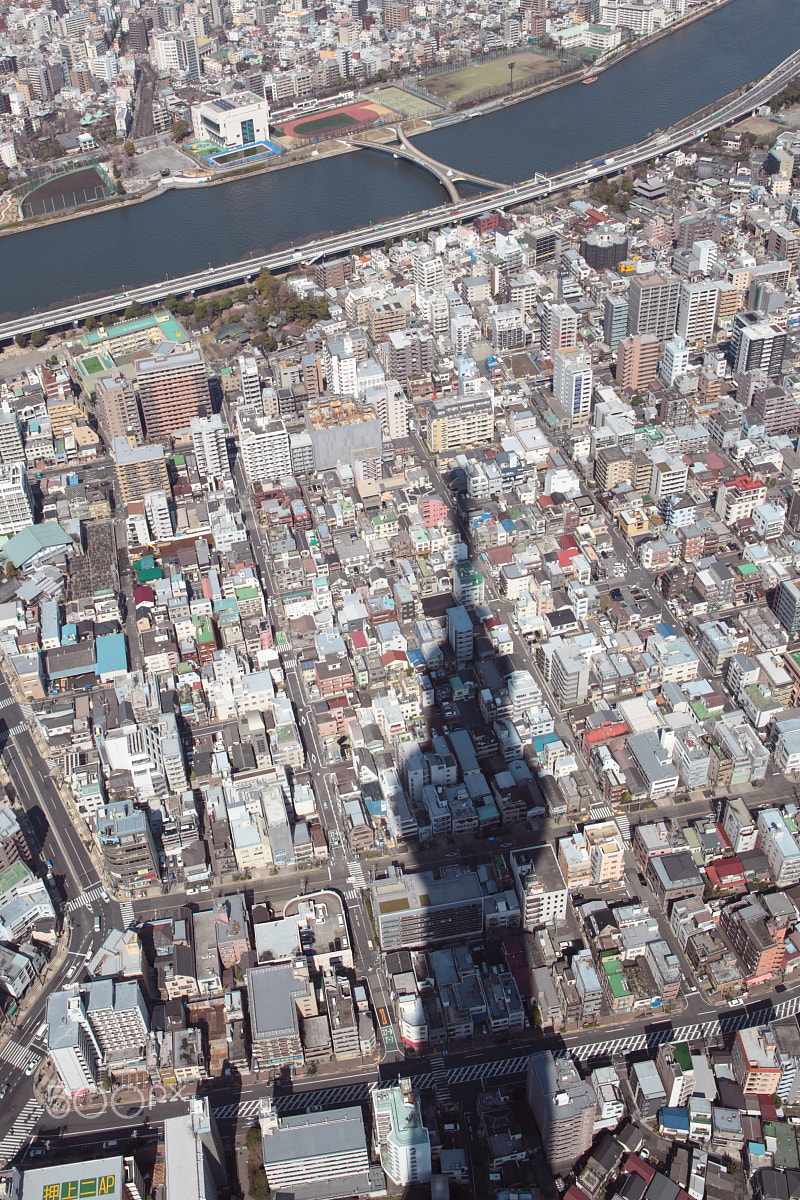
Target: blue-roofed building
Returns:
[[673, 1122], [111, 651]]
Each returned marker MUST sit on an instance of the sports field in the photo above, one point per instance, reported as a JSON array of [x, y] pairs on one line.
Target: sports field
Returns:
[[407, 105], [490, 76], [344, 120]]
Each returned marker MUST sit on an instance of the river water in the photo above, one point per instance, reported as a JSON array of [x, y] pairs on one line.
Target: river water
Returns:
[[184, 231]]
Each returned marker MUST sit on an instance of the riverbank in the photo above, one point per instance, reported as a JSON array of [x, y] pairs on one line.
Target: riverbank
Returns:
[[333, 149]]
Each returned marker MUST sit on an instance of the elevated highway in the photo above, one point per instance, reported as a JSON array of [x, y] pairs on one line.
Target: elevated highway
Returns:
[[538, 188]]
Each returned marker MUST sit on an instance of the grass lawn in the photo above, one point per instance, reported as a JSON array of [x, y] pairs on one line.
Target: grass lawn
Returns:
[[336, 120], [92, 365], [456, 85]]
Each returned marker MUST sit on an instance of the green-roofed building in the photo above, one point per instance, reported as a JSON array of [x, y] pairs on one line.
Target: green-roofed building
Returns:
[[37, 544]]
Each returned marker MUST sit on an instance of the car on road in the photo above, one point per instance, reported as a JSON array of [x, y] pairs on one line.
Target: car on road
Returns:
[[31, 1067], [3, 1090]]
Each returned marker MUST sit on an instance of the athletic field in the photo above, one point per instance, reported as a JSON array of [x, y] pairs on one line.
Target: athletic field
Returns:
[[339, 120], [406, 104]]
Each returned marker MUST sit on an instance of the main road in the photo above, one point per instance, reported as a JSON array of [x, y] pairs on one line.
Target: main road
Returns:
[[534, 189]]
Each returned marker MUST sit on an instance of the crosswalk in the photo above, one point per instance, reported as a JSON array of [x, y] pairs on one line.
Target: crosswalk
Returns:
[[7, 702], [85, 900], [24, 1126], [18, 1056], [15, 730], [128, 916], [443, 1078], [357, 875]]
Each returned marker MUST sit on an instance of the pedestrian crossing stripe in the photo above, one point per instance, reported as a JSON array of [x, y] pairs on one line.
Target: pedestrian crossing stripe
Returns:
[[85, 900], [23, 1127], [18, 1056]]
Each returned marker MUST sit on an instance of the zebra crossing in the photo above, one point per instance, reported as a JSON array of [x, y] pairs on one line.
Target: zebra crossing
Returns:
[[442, 1079], [85, 900], [23, 1127], [128, 916], [7, 702], [17, 1055], [357, 875], [15, 730]]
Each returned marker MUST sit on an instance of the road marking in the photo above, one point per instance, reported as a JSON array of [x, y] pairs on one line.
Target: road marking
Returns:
[[24, 1124], [18, 1056], [128, 915], [85, 900]]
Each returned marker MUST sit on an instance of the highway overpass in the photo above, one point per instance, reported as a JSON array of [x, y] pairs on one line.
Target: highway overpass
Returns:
[[538, 188]]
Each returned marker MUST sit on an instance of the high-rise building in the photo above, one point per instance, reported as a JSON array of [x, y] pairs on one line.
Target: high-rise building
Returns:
[[572, 383], [72, 1047], [316, 1153], [264, 447], [210, 447], [11, 448], [637, 361], [173, 388], [615, 319], [756, 344], [127, 846], [118, 1018], [559, 327], [405, 1144], [697, 309], [409, 355], [249, 380], [140, 469], [569, 675], [674, 361], [194, 1159], [563, 1106], [653, 305], [453, 423], [460, 634], [16, 503], [777, 408], [116, 408]]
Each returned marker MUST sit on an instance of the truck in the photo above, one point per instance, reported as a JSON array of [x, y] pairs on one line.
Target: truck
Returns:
[[599, 162]]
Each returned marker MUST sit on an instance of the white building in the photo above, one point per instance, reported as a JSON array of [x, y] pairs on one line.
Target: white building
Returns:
[[674, 361], [238, 119], [159, 517], [210, 446], [697, 310], [264, 447], [572, 383], [404, 1142], [316, 1148], [780, 847], [16, 505]]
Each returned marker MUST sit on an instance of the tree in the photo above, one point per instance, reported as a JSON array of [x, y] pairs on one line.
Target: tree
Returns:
[[129, 149], [134, 310], [108, 319], [119, 188], [90, 323], [253, 1139], [179, 130], [265, 342], [38, 338], [22, 340], [10, 570]]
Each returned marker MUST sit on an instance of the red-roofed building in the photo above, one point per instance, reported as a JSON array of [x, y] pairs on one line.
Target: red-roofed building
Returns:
[[358, 640], [727, 873], [634, 1165], [605, 735], [736, 498]]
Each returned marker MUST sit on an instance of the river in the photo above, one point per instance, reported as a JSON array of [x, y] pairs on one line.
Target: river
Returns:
[[183, 231]]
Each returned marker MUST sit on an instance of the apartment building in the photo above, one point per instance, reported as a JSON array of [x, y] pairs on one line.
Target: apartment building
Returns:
[[563, 1106]]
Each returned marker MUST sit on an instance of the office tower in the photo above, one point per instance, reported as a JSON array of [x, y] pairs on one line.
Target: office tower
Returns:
[[674, 361], [159, 518], [787, 606], [563, 1106], [602, 249], [173, 388], [264, 447], [777, 409], [653, 305], [697, 310], [454, 422], [572, 383], [249, 380], [140, 469], [756, 345], [460, 634], [669, 474], [316, 1153], [71, 1044], [569, 675], [559, 326], [405, 1144], [11, 448], [126, 844], [615, 319], [637, 361], [194, 1158], [16, 503], [210, 447], [116, 408], [118, 1018]]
